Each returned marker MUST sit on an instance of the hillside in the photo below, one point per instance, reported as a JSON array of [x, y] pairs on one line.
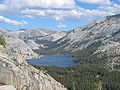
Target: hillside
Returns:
[[16, 73], [38, 38], [98, 42], [96, 46]]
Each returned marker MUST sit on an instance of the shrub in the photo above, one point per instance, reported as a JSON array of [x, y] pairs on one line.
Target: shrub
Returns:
[[2, 41]]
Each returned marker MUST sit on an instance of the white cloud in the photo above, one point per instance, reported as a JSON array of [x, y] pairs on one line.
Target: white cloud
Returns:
[[100, 2], [61, 25], [22, 4], [76, 14], [27, 16], [115, 8], [56, 9], [33, 12], [13, 22], [9, 7], [2, 7]]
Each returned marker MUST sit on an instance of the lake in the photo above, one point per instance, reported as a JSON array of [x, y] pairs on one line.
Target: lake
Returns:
[[53, 60]]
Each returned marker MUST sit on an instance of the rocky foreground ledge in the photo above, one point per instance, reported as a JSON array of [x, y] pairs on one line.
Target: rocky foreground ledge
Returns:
[[7, 87], [15, 71]]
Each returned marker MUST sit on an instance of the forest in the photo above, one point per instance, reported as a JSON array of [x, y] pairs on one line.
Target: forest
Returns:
[[90, 74], [84, 77]]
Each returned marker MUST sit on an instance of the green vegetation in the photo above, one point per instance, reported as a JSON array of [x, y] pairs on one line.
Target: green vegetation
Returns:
[[91, 74], [2, 41], [84, 77]]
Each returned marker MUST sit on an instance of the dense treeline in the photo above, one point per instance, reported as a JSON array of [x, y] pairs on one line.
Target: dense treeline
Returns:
[[84, 77], [91, 74]]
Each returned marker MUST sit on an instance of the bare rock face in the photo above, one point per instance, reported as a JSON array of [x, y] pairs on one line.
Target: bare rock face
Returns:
[[32, 44], [107, 29], [16, 72], [17, 45], [104, 35], [7, 87], [44, 34], [20, 47], [37, 38]]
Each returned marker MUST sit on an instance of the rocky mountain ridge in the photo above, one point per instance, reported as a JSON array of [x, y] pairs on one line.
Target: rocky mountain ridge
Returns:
[[17, 45], [36, 38], [98, 42], [100, 38], [15, 71]]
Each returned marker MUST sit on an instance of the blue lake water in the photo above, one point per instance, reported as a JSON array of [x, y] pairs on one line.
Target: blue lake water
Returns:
[[53, 60]]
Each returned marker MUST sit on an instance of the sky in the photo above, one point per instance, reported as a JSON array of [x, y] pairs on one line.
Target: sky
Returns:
[[61, 15]]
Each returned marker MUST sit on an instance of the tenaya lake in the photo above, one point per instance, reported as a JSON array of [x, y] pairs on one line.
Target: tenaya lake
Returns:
[[53, 60]]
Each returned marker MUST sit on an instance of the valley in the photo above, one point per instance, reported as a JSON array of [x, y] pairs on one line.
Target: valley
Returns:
[[96, 47], [59, 44]]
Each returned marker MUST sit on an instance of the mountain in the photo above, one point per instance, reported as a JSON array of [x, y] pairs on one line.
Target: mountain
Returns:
[[98, 42], [17, 45], [38, 38], [26, 40], [15, 73], [98, 31]]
